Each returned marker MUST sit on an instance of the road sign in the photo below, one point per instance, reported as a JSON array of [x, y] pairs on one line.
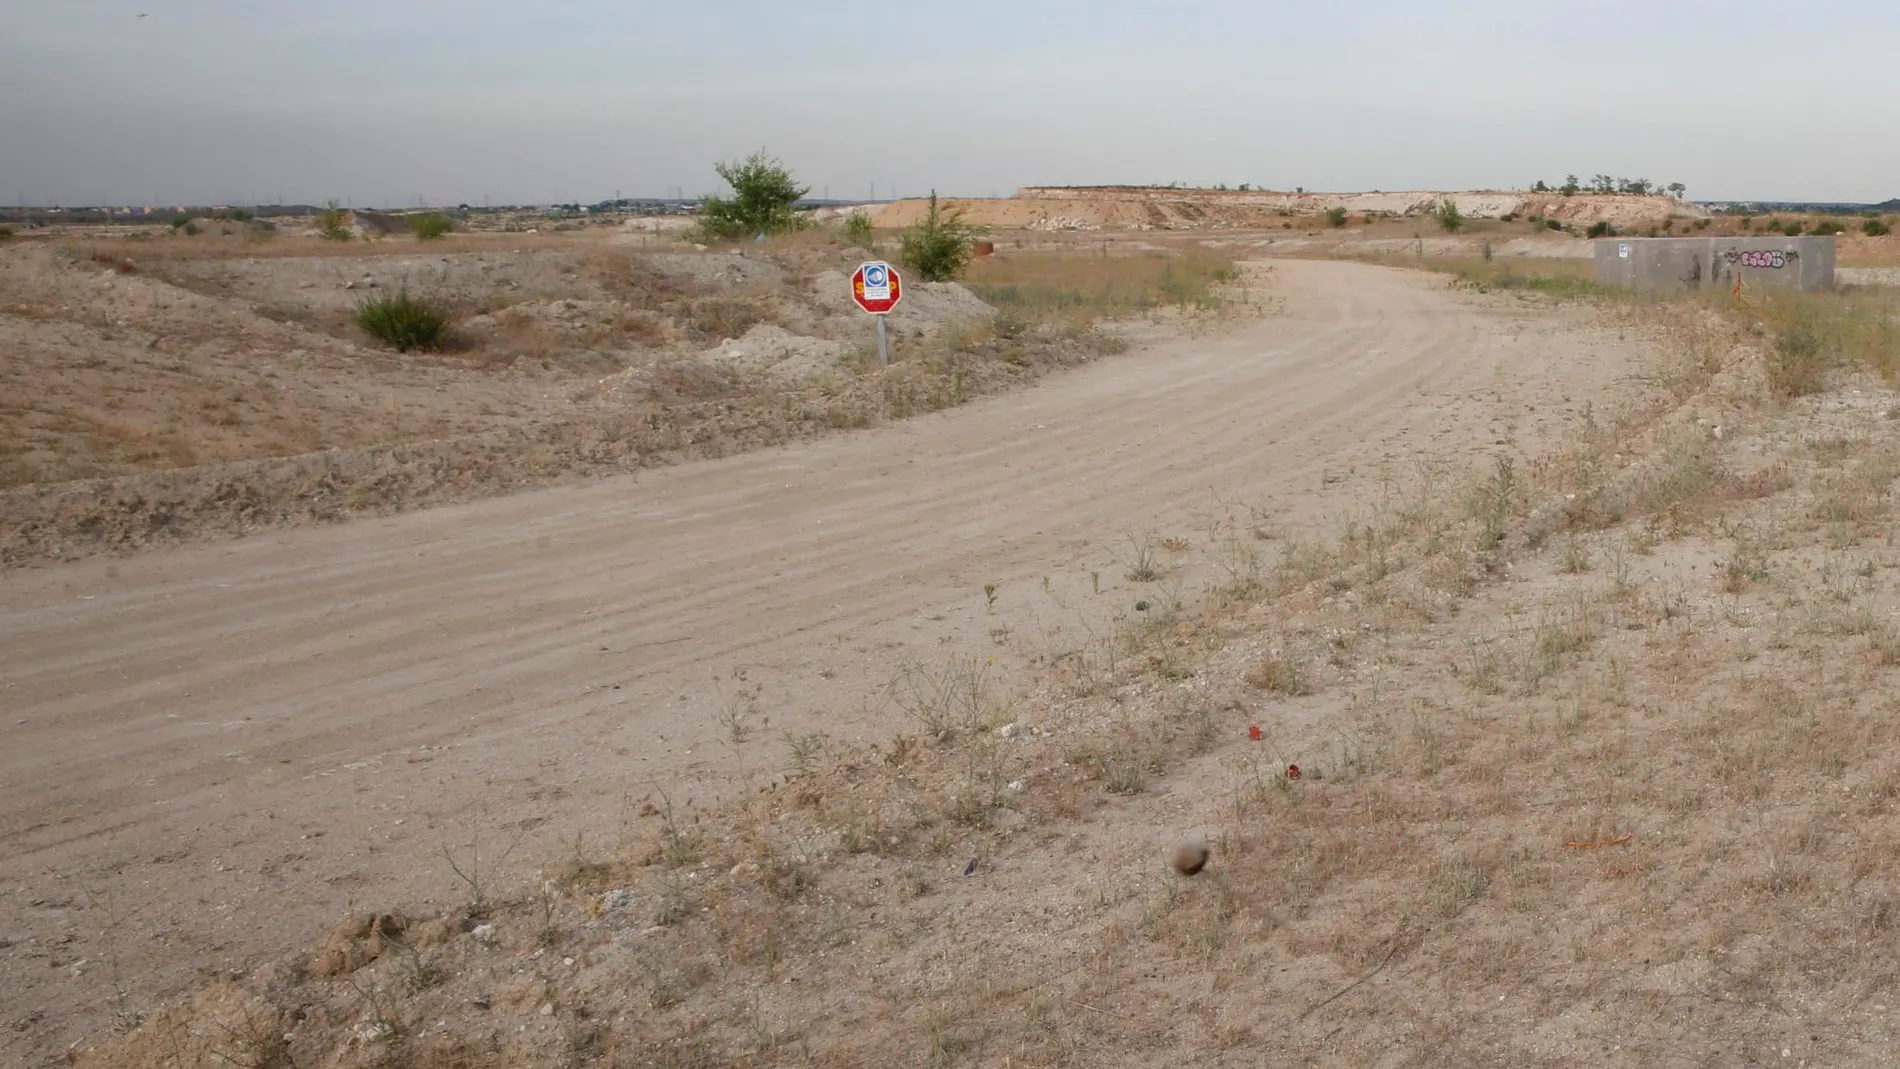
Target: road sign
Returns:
[[877, 287]]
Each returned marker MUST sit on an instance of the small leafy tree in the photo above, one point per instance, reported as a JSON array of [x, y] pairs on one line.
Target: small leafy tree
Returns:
[[1540, 187], [330, 223], [1677, 189], [763, 193], [404, 322], [1336, 217], [857, 230], [1448, 215], [939, 248], [430, 225], [1571, 186]]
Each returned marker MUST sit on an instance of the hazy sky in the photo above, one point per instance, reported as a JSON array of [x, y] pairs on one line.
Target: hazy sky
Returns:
[[246, 101]]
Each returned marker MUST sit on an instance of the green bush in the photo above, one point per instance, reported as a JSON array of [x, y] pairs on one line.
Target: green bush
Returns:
[[1827, 228], [1874, 228], [763, 193], [190, 229], [1336, 217], [857, 230], [6, 233], [1600, 229], [1552, 224], [939, 248], [403, 321], [430, 225], [1448, 215], [330, 223]]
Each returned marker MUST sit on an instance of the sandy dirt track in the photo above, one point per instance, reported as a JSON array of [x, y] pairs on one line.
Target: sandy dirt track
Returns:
[[212, 751]]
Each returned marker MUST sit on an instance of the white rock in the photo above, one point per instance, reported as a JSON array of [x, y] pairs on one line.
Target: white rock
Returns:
[[484, 933]]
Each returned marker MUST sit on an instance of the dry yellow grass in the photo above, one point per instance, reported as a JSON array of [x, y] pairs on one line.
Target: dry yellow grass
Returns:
[[1079, 287]]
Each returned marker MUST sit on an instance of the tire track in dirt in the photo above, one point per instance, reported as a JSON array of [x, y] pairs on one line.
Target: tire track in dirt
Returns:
[[306, 716]]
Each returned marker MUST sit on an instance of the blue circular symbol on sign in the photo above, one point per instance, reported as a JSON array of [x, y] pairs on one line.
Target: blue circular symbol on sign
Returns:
[[874, 276]]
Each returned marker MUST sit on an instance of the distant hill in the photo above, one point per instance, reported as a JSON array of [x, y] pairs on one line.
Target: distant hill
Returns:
[[1887, 206]]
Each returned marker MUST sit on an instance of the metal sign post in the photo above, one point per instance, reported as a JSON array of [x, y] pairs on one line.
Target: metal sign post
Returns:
[[877, 287]]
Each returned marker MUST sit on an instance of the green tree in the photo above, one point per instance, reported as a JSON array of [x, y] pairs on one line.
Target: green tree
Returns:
[[763, 193], [1571, 186], [1448, 215], [939, 248]]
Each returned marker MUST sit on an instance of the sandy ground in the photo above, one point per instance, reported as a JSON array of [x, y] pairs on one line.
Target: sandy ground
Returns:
[[223, 747]]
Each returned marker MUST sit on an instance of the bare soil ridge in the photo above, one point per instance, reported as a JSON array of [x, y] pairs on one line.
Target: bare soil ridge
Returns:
[[1082, 208]]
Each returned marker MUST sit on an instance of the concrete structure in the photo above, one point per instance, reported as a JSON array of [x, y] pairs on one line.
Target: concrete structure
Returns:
[[1763, 263]]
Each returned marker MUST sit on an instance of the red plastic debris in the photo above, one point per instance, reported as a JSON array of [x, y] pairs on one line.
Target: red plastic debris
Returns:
[[1292, 772], [1253, 732]]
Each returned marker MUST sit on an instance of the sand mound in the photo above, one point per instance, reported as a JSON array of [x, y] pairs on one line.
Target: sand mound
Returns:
[[775, 351]]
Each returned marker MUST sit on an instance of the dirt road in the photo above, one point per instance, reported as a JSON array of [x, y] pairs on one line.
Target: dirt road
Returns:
[[213, 751]]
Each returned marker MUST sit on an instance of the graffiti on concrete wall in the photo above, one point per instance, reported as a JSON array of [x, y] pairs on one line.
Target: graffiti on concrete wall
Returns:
[[1773, 259], [1694, 277]]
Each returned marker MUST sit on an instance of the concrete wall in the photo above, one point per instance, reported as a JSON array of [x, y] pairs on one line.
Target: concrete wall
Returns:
[[1780, 263]]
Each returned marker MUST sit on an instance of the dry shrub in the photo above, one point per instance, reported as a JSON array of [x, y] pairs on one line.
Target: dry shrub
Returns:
[[687, 379], [720, 318], [641, 328], [1281, 675]]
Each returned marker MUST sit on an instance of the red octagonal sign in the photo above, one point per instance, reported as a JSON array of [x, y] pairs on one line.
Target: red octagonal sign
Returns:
[[876, 287]]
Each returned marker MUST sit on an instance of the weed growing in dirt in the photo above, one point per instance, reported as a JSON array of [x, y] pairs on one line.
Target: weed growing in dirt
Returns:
[[404, 322], [1448, 216], [429, 226], [6, 233], [857, 230], [939, 248], [948, 701], [1336, 217], [1143, 566]]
